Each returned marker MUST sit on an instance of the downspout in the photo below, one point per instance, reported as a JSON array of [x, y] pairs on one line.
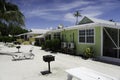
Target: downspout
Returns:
[[118, 45], [101, 41]]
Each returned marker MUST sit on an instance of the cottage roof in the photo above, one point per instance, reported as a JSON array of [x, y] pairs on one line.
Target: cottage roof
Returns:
[[56, 30], [39, 31], [95, 20], [40, 36], [35, 31], [90, 22]]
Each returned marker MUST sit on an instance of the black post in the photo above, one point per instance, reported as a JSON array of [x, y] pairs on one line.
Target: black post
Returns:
[[18, 50], [49, 67], [18, 47]]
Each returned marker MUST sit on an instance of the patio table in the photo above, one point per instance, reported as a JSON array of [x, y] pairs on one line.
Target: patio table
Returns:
[[83, 73]]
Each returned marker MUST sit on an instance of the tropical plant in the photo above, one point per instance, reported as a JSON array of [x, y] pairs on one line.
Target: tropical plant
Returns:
[[11, 30], [89, 52], [10, 13], [3, 29], [6, 39], [77, 14], [15, 30]]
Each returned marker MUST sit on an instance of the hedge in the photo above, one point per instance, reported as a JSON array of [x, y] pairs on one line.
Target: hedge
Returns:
[[6, 39]]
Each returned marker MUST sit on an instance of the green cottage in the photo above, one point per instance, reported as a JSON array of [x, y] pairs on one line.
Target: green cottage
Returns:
[[103, 36]]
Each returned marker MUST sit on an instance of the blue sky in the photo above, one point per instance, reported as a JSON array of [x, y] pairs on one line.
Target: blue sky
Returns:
[[47, 14]]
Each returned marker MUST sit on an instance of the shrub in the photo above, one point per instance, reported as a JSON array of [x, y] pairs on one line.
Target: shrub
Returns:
[[26, 43], [43, 47], [6, 39], [31, 40], [89, 52], [53, 44], [37, 43], [48, 44], [20, 41]]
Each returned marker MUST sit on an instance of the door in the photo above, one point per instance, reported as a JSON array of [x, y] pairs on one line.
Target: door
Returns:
[[111, 42]]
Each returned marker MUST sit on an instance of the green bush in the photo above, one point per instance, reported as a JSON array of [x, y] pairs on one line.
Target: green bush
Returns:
[[53, 44], [1, 39], [6, 39], [37, 43], [20, 40], [48, 44], [26, 43], [89, 52], [43, 47]]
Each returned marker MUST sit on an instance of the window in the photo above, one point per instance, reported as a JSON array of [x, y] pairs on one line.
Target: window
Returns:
[[57, 35], [82, 36], [90, 36], [86, 36], [48, 37]]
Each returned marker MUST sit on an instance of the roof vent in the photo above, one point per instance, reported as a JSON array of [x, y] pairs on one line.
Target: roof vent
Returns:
[[60, 26]]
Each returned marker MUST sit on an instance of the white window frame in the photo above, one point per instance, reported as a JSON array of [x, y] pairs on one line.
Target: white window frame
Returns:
[[82, 36], [86, 36], [56, 35]]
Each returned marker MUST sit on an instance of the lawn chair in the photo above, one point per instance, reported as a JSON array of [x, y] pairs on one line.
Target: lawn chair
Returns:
[[29, 55], [23, 56]]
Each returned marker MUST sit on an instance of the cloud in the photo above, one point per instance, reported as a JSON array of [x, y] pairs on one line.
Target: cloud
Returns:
[[35, 13], [69, 17], [91, 11], [91, 8], [93, 14], [41, 10], [102, 7], [52, 17], [61, 10], [72, 5]]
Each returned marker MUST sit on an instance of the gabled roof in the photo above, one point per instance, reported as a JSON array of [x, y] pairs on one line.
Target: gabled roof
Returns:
[[93, 22], [87, 20], [90, 22]]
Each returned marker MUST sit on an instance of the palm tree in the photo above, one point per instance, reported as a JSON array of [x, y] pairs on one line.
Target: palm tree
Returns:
[[77, 14], [10, 13]]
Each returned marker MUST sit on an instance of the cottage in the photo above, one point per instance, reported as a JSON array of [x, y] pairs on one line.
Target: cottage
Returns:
[[103, 36], [33, 35]]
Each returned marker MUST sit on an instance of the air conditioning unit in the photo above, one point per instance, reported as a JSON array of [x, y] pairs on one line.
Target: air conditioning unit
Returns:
[[63, 45], [71, 45]]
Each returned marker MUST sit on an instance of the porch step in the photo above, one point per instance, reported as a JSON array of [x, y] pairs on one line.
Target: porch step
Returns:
[[108, 60]]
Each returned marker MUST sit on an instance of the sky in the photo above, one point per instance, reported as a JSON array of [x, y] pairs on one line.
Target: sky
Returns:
[[48, 14]]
